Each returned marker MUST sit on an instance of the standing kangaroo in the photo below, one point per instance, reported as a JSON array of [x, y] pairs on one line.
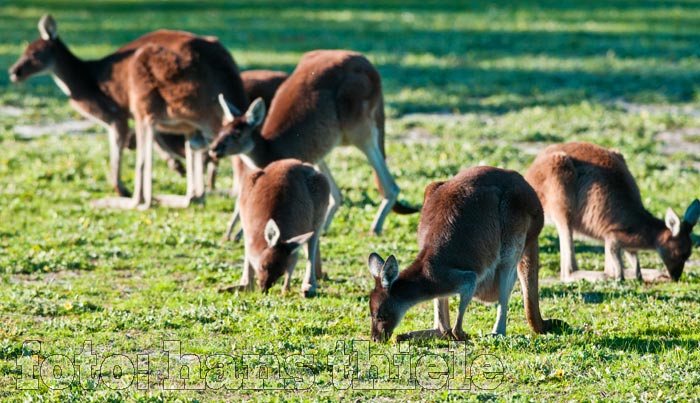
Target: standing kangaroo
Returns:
[[282, 208], [477, 233], [262, 83], [588, 190], [333, 97], [166, 80], [257, 84]]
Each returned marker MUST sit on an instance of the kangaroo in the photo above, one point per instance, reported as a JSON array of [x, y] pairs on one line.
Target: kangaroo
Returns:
[[588, 190], [157, 79], [282, 208], [333, 97], [257, 84], [477, 233], [262, 83]]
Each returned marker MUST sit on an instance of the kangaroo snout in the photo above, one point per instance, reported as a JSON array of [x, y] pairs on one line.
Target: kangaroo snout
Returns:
[[15, 73], [214, 154]]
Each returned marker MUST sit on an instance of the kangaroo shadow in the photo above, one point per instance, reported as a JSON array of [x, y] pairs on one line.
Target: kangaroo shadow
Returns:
[[587, 297], [643, 345], [551, 246]]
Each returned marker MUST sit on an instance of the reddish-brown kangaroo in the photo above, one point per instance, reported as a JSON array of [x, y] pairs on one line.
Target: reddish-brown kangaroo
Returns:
[[333, 97], [257, 84], [166, 80], [282, 207], [477, 233], [588, 190], [262, 83]]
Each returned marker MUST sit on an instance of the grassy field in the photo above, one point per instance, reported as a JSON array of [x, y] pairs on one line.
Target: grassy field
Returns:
[[488, 82]]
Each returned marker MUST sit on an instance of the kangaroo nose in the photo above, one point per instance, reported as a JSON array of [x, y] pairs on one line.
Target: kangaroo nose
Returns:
[[14, 74], [214, 155]]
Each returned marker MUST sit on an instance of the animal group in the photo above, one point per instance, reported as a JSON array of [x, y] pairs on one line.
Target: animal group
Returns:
[[478, 231]]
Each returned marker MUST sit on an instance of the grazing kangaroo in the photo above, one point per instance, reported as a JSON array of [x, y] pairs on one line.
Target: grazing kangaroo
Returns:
[[586, 189], [168, 80], [477, 233], [282, 208], [333, 97]]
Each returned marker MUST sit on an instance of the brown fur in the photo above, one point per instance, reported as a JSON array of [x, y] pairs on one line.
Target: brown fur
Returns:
[[295, 196], [332, 98], [262, 83], [474, 230], [142, 77], [588, 190], [257, 84]]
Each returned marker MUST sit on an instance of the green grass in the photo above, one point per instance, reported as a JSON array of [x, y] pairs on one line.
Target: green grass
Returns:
[[481, 83]]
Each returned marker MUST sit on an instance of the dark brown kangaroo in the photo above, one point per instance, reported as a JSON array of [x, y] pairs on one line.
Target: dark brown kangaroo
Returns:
[[168, 80], [257, 84], [282, 208], [478, 232]]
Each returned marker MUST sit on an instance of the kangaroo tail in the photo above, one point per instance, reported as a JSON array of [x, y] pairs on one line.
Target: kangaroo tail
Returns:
[[528, 269]]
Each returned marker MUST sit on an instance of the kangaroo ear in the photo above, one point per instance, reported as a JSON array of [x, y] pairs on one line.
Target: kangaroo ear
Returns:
[[673, 222], [390, 272], [229, 110], [375, 264], [430, 189], [272, 233], [255, 114], [692, 213], [47, 28], [295, 242]]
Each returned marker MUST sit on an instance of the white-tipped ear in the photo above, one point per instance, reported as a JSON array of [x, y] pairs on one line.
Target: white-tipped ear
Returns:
[[375, 264], [255, 114], [692, 213], [673, 222], [272, 233], [47, 28], [229, 110], [389, 272], [299, 240]]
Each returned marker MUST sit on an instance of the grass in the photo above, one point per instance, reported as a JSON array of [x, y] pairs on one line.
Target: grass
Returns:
[[481, 83]]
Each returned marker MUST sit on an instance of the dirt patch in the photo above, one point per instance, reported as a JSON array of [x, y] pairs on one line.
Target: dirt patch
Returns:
[[682, 140], [685, 140], [13, 111], [66, 127], [417, 135], [652, 109], [63, 276], [530, 148]]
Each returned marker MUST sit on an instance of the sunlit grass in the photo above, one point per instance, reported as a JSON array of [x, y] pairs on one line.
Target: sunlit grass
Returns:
[[465, 83]]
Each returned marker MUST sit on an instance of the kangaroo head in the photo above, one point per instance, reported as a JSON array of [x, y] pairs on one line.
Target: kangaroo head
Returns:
[[279, 256], [675, 244], [40, 55], [385, 310], [236, 135]]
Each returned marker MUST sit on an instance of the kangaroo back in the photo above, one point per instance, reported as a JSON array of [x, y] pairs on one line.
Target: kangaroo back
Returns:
[[282, 209]]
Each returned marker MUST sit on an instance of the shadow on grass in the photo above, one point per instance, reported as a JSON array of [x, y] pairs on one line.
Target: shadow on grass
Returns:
[[644, 345], [598, 297], [551, 246], [388, 5], [463, 81]]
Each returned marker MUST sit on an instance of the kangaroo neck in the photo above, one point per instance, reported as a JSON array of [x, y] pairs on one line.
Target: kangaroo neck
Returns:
[[645, 234], [261, 155], [413, 286], [71, 74]]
